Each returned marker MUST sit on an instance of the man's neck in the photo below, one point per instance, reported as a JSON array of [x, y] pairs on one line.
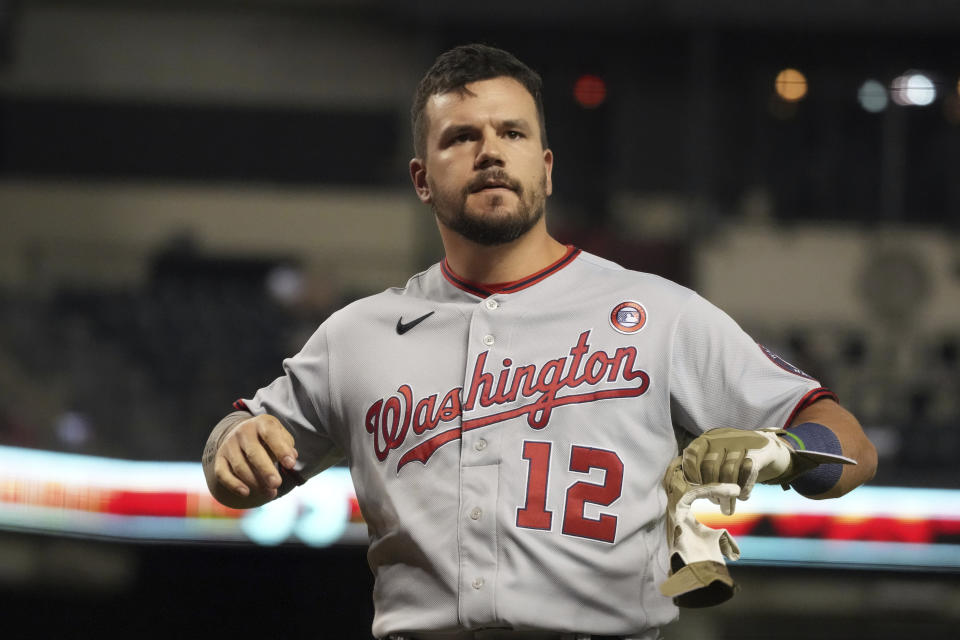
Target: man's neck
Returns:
[[515, 260]]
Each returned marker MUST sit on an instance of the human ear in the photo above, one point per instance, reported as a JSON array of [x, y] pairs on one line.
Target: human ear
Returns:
[[548, 169], [418, 174]]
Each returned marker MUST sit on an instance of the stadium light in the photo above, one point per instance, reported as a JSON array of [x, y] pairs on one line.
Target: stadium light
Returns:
[[791, 85], [590, 91], [913, 89], [873, 96]]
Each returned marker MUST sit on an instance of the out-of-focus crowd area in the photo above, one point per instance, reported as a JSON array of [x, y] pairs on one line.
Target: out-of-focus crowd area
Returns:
[[187, 192]]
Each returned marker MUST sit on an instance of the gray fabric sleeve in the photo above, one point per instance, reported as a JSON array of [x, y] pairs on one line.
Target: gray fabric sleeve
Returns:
[[300, 400], [720, 377]]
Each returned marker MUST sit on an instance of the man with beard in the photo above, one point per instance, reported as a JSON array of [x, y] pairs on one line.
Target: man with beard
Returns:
[[509, 414]]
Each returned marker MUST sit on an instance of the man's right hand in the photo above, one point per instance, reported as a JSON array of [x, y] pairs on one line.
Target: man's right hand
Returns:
[[241, 457]]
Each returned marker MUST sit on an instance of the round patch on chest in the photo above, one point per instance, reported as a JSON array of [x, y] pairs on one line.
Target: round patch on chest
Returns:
[[628, 317]]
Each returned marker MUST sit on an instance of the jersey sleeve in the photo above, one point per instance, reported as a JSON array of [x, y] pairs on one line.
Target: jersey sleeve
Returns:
[[300, 399], [721, 377]]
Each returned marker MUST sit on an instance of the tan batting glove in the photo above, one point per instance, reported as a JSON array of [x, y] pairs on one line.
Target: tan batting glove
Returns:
[[744, 458], [698, 573]]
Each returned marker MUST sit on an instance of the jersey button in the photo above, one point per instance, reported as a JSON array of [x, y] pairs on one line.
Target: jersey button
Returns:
[[488, 340], [492, 304], [480, 444], [477, 583], [476, 513]]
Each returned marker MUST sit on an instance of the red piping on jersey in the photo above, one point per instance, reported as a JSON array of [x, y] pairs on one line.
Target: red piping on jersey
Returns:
[[484, 290], [820, 393]]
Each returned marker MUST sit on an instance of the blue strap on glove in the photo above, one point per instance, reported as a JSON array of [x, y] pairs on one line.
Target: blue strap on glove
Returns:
[[812, 436]]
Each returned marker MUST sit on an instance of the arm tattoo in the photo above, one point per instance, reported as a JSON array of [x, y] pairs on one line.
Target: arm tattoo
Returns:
[[219, 433]]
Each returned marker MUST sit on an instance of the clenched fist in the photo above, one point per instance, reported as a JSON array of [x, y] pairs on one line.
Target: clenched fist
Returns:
[[737, 456], [243, 458]]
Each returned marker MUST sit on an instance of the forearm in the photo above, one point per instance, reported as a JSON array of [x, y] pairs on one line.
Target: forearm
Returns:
[[853, 441]]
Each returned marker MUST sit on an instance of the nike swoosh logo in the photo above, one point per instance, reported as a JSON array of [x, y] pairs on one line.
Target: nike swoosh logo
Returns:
[[402, 327]]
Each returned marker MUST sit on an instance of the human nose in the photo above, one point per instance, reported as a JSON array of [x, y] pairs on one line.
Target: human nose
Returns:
[[489, 153]]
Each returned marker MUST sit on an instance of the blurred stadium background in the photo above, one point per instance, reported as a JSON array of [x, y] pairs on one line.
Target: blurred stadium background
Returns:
[[188, 189]]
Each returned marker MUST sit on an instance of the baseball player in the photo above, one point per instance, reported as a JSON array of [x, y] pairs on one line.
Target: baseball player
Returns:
[[509, 414]]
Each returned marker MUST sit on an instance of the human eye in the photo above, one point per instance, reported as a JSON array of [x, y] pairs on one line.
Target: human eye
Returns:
[[513, 134], [459, 137]]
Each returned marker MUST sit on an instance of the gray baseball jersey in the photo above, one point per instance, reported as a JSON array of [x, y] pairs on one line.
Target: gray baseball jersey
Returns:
[[507, 442]]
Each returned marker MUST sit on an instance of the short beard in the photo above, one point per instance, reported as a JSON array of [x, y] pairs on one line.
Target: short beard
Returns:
[[495, 230]]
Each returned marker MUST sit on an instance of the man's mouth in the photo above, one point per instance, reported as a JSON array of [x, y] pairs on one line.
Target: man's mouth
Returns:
[[493, 184]]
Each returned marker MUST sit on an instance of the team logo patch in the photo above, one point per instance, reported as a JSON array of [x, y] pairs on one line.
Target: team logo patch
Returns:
[[628, 317], [783, 364]]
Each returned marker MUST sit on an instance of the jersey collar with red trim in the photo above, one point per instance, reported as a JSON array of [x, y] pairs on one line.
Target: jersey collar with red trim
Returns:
[[485, 290]]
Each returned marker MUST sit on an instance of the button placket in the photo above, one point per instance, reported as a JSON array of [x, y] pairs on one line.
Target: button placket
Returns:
[[478, 555], [479, 475]]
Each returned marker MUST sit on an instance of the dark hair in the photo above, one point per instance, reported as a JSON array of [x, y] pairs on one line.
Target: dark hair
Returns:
[[460, 66]]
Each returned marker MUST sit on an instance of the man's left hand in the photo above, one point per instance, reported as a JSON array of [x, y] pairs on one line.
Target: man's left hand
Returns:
[[740, 457]]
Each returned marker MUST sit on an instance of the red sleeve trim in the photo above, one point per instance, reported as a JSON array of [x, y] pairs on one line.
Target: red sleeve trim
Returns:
[[240, 405], [814, 395]]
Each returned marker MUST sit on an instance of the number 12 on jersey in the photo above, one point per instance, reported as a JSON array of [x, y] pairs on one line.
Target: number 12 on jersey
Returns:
[[534, 513]]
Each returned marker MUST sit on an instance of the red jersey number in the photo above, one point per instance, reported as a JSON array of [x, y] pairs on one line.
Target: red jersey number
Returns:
[[534, 513]]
